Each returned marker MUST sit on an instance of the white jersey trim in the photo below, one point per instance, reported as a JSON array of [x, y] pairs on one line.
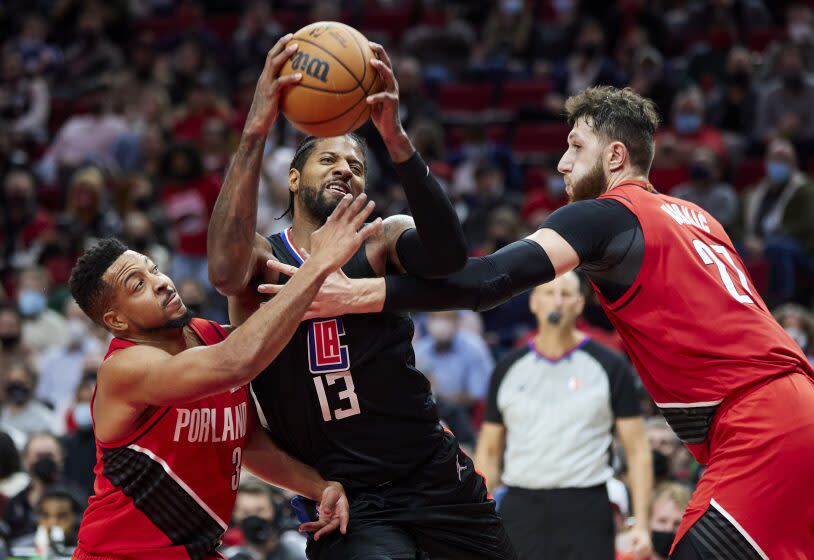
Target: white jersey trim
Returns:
[[180, 482], [689, 405], [740, 529], [260, 414]]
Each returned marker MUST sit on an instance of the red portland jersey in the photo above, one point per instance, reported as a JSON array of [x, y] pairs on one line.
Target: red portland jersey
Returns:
[[167, 490], [693, 322]]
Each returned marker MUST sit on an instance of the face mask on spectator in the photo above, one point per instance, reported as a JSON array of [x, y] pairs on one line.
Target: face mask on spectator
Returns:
[[18, 393], [739, 78], [82, 417], [441, 330], [258, 530], [9, 341], [793, 79], [778, 172], [45, 469], [31, 303], [688, 123], [662, 541], [699, 171], [799, 336]]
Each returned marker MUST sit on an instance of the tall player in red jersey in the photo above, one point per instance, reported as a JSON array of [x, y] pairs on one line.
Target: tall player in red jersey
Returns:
[[173, 417], [733, 385]]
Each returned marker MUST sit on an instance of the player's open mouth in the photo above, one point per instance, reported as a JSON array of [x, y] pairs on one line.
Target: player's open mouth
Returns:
[[339, 187]]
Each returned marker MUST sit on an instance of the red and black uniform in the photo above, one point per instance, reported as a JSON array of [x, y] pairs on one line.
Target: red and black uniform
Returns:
[[167, 489], [733, 385]]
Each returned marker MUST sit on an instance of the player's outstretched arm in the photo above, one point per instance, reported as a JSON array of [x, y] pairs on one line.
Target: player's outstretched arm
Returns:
[[232, 244], [145, 375], [431, 243], [484, 282], [263, 458]]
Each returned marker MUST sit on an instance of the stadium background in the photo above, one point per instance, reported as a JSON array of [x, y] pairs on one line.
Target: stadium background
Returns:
[[119, 118]]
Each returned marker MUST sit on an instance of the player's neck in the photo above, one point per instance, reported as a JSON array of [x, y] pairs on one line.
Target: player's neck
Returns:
[[302, 226], [554, 342], [625, 176]]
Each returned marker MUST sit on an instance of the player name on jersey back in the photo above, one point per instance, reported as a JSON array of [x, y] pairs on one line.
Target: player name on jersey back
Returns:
[[210, 424], [686, 216]]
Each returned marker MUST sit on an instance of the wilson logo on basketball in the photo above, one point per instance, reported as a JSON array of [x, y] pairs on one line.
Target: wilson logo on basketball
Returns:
[[313, 66]]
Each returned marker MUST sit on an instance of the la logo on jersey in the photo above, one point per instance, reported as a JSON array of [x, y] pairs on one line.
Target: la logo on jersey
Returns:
[[325, 353]]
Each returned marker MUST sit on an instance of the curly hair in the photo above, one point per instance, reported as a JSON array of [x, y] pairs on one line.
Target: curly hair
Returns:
[[88, 288], [620, 115]]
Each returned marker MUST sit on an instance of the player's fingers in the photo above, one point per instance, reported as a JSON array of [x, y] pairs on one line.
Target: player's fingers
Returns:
[[278, 47], [329, 528], [342, 511], [381, 54], [386, 73], [361, 215], [311, 526], [286, 81], [277, 266], [339, 211], [377, 98], [269, 288], [278, 61], [368, 230]]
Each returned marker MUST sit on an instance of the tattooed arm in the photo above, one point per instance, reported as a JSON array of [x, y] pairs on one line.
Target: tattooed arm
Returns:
[[233, 246]]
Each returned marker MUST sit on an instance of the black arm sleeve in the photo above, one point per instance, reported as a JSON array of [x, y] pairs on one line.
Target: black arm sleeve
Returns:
[[484, 282], [436, 246]]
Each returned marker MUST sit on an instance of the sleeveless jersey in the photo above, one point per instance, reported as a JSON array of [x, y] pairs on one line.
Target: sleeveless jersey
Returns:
[[692, 322], [167, 490], [344, 395]]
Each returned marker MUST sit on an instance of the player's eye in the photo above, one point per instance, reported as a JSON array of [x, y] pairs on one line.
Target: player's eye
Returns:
[[357, 169], [327, 160], [155, 269]]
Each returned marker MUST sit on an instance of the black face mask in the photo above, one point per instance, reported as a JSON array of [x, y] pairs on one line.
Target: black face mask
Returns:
[[18, 393], [793, 80], [662, 541], [9, 341], [46, 470], [739, 78], [258, 530], [699, 172], [589, 51]]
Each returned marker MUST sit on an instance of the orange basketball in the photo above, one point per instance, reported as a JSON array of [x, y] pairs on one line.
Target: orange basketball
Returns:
[[337, 77]]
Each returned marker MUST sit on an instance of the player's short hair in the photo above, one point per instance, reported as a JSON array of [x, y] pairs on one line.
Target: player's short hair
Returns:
[[621, 115], [88, 288], [304, 150]]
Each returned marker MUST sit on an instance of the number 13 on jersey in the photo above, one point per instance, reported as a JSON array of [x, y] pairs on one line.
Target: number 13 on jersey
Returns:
[[329, 362]]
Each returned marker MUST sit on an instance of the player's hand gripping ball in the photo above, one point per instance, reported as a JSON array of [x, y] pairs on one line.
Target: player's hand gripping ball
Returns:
[[337, 77]]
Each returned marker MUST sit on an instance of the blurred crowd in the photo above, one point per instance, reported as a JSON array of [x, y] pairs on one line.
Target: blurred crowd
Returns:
[[118, 118]]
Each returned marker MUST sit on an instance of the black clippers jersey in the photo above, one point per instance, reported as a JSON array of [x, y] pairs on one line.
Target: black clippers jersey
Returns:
[[344, 395]]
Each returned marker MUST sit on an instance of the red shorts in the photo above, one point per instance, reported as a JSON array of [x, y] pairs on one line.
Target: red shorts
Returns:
[[760, 475]]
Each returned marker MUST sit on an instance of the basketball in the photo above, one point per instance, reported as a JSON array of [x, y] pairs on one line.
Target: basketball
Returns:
[[337, 77]]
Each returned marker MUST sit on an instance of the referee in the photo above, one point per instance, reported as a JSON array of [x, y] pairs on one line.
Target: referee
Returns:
[[551, 412]]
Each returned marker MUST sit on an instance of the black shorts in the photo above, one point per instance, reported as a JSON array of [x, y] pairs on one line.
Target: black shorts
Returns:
[[559, 524], [442, 512]]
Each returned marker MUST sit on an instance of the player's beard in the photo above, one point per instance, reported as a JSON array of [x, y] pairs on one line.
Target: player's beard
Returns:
[[590, 186], [317, 202], [177, 323]]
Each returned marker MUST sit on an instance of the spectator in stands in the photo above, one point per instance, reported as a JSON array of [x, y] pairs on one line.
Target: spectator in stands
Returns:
[[732, 105], [254, 37], [188, 196], [256, 513], [799, 324], [62, 367], [489, 194], [800, 30], [12, 347], [24, 99], [42, 326], [42, 459], [650, 79], [39, 56], [707, 190], [777, 218], [58, 515], [24, 223], [414, 103], [79, 445], [194, 295], [669, 502], [551, 412], [188, 63], [12, 479], [676, 144], [140, 235], [589, 64], [92, 54], [787, 107], [509, 39], [201, 104], [458, 364], [216, 149], [21, 410], [88, 216]]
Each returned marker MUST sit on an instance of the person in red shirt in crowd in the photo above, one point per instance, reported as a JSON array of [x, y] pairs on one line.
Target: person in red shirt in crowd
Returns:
[[676, 144]]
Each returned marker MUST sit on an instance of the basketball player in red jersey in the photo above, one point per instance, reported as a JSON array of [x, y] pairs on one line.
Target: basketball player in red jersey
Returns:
[[732, 384], [173, 418]]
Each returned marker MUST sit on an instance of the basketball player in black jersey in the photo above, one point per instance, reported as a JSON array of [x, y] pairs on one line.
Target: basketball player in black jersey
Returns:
[[344, 395]]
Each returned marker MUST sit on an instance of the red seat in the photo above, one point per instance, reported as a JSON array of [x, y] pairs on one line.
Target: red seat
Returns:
[[749, 172], [665, 178], [536, 178], [495, 132], [547, 138], [762, 37], [392, 21], [465, 97], [517, 93]]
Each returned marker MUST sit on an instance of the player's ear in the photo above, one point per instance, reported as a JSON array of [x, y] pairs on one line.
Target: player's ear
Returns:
[[114, 321], [616, 156], [293, 179]]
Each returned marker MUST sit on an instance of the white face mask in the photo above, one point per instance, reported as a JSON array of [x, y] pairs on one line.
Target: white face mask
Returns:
[[76, 330], [81, 415], [799, 336], [442, 330]]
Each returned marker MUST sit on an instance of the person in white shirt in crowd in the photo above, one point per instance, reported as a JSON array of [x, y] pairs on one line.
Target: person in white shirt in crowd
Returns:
[[42, 327], [20, 409]]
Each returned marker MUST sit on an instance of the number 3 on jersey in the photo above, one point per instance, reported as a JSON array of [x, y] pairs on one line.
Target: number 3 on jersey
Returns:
[[327, 356], [708, 256]]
